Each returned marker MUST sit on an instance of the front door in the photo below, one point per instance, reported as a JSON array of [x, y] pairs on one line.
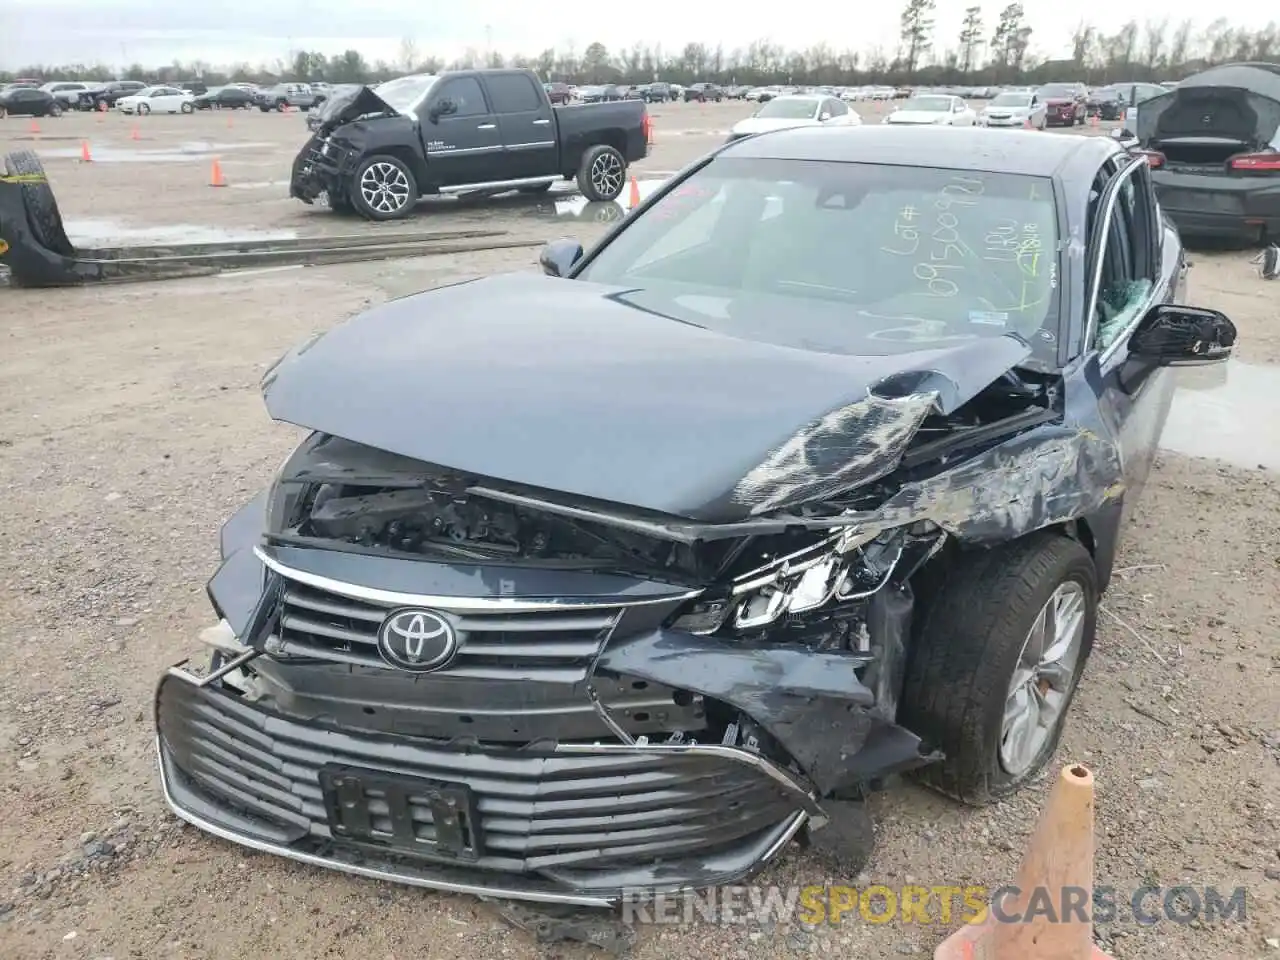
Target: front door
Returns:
[[528, 127], [461, 136], [1135, 399]]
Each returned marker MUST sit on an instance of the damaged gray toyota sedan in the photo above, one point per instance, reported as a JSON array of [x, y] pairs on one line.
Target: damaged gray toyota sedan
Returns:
[[624, 576]]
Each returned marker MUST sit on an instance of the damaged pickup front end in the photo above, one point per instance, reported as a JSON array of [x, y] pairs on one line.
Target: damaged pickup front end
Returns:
[[645, 677]]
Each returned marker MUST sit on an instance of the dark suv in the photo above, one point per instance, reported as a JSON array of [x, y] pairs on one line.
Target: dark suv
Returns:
[[658, 93], [702, 92]]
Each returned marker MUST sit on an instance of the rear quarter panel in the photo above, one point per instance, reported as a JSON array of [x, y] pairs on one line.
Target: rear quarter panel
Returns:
[[582, 126]]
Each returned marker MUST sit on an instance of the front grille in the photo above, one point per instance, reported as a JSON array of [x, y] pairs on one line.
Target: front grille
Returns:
[[578, 819], [549, 647]]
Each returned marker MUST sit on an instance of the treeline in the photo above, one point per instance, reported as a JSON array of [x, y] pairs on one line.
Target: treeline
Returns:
[[980, 57]]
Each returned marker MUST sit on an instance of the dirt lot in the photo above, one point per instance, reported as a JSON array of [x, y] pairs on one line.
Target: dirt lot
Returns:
[[131, 426]]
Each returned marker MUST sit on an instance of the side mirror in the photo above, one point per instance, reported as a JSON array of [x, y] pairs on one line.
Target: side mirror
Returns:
[[559, 256], [1176, 336], [442, 108], [823, 117]]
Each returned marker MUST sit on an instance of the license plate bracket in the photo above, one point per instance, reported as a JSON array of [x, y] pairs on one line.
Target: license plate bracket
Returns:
[[372, 807]]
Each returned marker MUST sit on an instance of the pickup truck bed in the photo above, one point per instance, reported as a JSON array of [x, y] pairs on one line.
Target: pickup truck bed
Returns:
[[470, 131]]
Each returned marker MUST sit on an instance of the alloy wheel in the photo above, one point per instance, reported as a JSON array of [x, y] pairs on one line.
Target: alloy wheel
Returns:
[[606, 174], [1042, 679], [384, 187]]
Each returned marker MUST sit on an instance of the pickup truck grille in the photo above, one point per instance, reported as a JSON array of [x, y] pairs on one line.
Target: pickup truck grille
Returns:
[[553, 647]]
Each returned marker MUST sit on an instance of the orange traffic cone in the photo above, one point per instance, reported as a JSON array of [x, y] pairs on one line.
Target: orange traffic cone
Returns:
[[85, 156], [134, 135], [633, 200], [231, 121], [35, 127], [1059, 859], [1026, 124], [215, 175], [1094, 120]]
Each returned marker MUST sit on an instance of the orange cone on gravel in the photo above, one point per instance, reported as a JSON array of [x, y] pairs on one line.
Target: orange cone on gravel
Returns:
[[85, 156], [35, 127], [633, 199], [134, 134], [1057, 868], [215, 175]]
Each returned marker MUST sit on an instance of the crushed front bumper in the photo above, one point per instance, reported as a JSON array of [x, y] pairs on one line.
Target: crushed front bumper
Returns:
[[570, 823], [315, 174]]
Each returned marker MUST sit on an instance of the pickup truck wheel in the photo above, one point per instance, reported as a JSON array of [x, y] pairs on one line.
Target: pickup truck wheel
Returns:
[[995, 660], [602, 173], [384, 189]]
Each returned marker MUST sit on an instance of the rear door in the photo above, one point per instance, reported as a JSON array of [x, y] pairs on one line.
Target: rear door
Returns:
[[166, 100], [525, 120], [462, 140]]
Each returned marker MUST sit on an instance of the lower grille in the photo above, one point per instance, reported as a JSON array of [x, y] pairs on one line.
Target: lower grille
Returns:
[[580, 820]]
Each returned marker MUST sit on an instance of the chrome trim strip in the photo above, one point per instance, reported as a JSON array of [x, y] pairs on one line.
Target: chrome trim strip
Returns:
[[495, 184], [371, 873], [737, 754], [230, 666], [1091, 293], [458, 604], [465, 151], [537, 145]]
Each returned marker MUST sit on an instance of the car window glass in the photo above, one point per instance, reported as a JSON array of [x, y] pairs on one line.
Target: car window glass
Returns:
[[466, 95], [513, 93], [1125, 288]]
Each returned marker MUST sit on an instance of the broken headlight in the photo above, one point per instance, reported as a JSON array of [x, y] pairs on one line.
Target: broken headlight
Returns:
[[844, 566]]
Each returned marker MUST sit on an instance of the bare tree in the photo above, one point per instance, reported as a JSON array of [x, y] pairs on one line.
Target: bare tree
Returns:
[[1155, 36], [408, 59]]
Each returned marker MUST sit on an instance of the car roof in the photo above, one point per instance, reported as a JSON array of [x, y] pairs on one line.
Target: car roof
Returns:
[[802, 96], [1025, 152]]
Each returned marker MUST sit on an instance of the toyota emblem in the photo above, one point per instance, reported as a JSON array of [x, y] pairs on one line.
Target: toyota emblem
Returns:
[[417, 640]]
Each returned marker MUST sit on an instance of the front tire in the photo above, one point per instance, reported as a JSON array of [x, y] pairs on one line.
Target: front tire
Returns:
[[996, 658], [602, 173], [55, 110], [187, 108], [143, 109], [384, 189]]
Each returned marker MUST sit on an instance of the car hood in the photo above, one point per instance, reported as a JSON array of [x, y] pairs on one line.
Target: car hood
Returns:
[[765, 124], [916, 116], [564, 386], [348, 105]]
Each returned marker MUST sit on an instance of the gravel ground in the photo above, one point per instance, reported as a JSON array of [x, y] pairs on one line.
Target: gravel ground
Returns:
[[131, 426]]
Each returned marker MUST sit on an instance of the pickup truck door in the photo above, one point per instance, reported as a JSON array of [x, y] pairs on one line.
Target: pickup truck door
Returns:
[[460, 135], [527, 123]]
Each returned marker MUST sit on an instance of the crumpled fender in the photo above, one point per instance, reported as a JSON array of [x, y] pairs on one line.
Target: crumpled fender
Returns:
[[811, 702]]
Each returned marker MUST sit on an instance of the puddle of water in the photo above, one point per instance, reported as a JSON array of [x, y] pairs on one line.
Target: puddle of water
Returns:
[[578, 207], [1229, 412], [261, 185], [101, 233], [183, 153]]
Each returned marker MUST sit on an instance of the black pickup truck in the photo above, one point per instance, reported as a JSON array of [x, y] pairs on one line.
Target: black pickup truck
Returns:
[[377, 151]]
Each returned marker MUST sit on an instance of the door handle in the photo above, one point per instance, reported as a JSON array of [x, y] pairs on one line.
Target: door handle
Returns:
[[541, 123], [487, 126]]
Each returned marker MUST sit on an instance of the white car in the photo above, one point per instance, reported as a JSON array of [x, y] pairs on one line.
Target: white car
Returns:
[[1014, 110], [933, 108], [797, 110], [157, 100]]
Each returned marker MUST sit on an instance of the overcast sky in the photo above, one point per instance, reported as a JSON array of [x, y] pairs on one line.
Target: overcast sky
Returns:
[[153, 32]]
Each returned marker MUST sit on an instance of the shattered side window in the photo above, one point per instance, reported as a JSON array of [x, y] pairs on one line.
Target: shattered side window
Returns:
[[1119, 305]]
